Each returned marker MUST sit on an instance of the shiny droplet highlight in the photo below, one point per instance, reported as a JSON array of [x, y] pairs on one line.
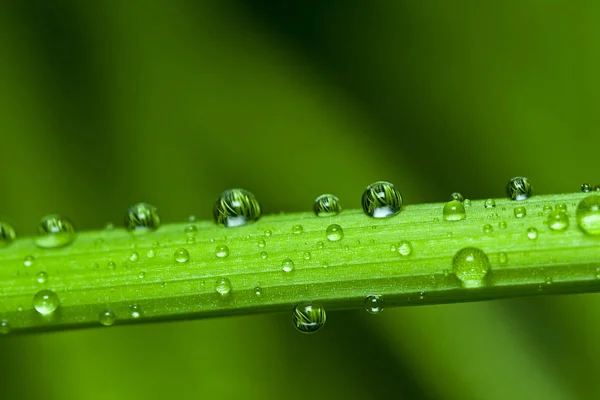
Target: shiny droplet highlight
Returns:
[[454, 211], [45, 302]]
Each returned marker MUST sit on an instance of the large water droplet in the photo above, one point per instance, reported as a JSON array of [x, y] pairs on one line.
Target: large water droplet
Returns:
[[55, 231], [309, 317], [405, 248], [288, 265], [374, 304], [454, 211], [327, 205], [182, 255], [471, 265], [222, 251], [334, 233], [519, 188], [588, 215], [223, 286], [236, 207], [520, 211], [107, 317], [558, 220], [142, 217], [381, 200], [7, 234], [5, 327], [45, 302]]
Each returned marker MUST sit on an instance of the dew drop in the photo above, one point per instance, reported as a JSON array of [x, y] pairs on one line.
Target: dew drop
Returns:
[[405, 248], [489, 203], [142, 275], [547, 209], [142, 217], [502, 258], [262, 243], [135, 311], [7, 234], [236, 207], [182, 255], [532, 233], [562, 207], [222, 251], [223, 286], [41, 277], [454, 211], [288, 265], [467, 203], [309, 317], [111, 265], [381, 200], [190, 240], [107, 317], [502, 225], [327, 205], [471, 265], [45, 302], [28, 261], [5, 327], [519, 188], [55, 231], [264, 255], [307, 255], [374, 304], [488, 229], [268, 233], [134, 256], [456, 196], [150, 253], [520, 212], [393, 248], [191, 229], [297, 229], [258, 291], [586, 188], [558, 220], [320, 245], [334, 233], [588, 215]]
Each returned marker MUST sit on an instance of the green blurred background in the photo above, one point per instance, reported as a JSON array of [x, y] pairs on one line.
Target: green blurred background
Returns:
[[103, 104]]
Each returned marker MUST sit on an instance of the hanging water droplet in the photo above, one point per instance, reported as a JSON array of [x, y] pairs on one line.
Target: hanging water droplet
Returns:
[[236, 207], [327, 205], [264, 255], [222, 251], [471, 266], [55, 231], [588, 215], [488, 229], [502, 225], [7, 234], [135, 311], [320, 245], [307, 255], [520, 211], [454, 211], [223, 286], [142, 275], [107, 317], [558, 220], [45, 302], [405, 248], [288, 265], [502, 258], [374, 304], [41, 277], [381, 200], [28, 261], [586, 188], [532, 233], [519, 188], [297, 229], [134, 256], [5, 327], [142, 217], [182, 255], [334, 233], [547, 209], [489, 203], [456, 196], [309, 317]]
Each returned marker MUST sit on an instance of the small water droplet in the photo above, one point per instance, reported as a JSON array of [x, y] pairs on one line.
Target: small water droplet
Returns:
[[45, 302], [142, 217], [519, 188], [288, 265], [547, 209], [489, 203], [264, 255], [471, 266], [262, 243], [268, 233], [309, 317], [532, 233], [223, 286], [190, 240], [191, 229], [586, 188], [405, 248], [150, 253], [191, 218], [222, 251], [562, 207], [134, 257], [454, 211], [142, 275], [55, 231], [107, 317], [327, 205], [307, 255], [467, 203], [381, 200], [236, 207], [41, 277], [488, 229], [548, 281], [5, 327], [320, 245], [502, 225], [374, 304], [334, 233], [111, 265], [7, 234], [28, 261], [297, 229], [520, 212], [456, 196], [135, 311], [558, 220], [588, 215], [182, 255], [502, 258], [393, 248], [258, 291]]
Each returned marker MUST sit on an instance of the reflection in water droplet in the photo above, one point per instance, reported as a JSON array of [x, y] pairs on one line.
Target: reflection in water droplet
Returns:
[[327, 205], [182, 255], [467, 203], [558, 220], [223, 286], [586, 188], [309, 317], [107, 317], [222, 251], [7, 234], [191, 229], [456, 196], [520, 211], [454, 211], [45, 302], [532, 233], [288, 265], [519, 188], [55, 231], [236, 207], [334, 233], [374, 304], [268, 233], [381, 200], [588, 215], [471, 265], [142, 217]]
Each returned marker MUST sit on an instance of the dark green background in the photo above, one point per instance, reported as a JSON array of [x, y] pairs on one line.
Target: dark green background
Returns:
[[103, 104]]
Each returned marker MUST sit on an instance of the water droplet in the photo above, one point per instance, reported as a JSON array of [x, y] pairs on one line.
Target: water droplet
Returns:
[[150, 253], [489, 203], [519, 188], [454, 211], [258, 291], [381, 200], [142, 275], [456, 196], [327, 205], [586, 188], [562, 207], [374, 304], [191, 218], [334, 233], [45, 302], [55, 231], [191, 229], [502, 258], [288, 265], [236, 207], [111, 265], [309, 317], [222, 251], [142, 217], [471, 265], [547, 209], [28, 261], [405, 248], [548, 281], [223, 286], [297, 229], [268, 233], [190, 240], [182, 255], [393, 248], [135, 311], [264, 255], [502, 225], [41, 277], [588, 215], [320, 245], [520, 211], [487, 229], [467, 203], [5, 327], [134, 256], [261, 243], [307, 255], [532, 233], [7, 234], [107, 317], [558, 220], [597, 188]]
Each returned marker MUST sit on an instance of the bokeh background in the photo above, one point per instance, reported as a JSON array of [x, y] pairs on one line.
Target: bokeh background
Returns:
[[103, 104]]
